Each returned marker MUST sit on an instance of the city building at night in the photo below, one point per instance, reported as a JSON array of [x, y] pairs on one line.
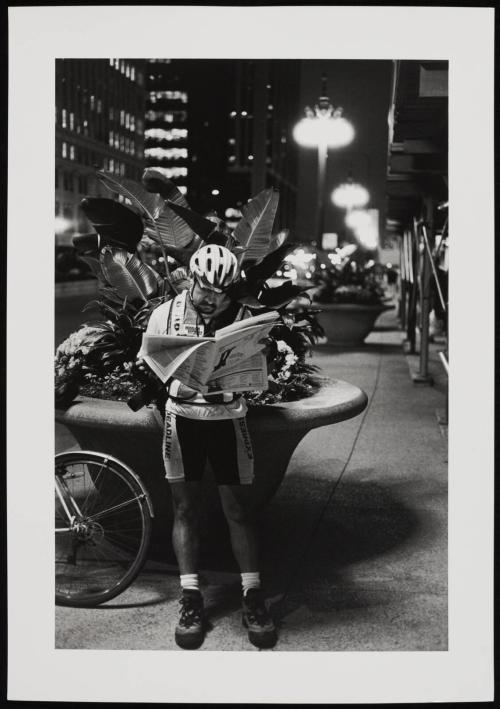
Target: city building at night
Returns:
[[100, 106], [166, 131], [261, 151]]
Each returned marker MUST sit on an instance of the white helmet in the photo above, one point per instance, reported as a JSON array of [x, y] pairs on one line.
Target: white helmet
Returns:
[[214, 267]]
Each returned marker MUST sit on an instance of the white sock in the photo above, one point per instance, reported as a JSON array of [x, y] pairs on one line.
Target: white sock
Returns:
[[190, 581], [250, 579]]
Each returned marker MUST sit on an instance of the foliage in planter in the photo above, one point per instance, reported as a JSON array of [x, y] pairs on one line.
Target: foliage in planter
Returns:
[[347, 280], [99, 359]]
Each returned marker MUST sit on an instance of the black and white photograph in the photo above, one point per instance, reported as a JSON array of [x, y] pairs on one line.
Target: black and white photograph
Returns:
[[253, 362]]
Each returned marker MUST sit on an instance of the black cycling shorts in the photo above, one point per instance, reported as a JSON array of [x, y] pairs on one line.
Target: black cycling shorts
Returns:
[[189, 443]]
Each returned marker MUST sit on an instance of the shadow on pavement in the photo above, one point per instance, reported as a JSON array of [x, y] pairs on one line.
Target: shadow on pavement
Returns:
[[307, 561]]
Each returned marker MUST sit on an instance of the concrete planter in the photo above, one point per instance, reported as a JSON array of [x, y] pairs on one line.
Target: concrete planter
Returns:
[[346, 324], [136, 439]]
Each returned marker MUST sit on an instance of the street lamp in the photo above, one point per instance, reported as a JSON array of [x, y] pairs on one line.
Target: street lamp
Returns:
[[323, 127], [350, 195]]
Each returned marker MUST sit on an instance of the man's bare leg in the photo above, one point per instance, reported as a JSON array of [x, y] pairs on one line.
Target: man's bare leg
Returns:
[[190, 630], [236, 501], [185, 532]]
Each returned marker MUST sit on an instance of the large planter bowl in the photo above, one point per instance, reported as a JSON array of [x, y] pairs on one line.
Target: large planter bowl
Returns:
[[136, 439], [348, 324]]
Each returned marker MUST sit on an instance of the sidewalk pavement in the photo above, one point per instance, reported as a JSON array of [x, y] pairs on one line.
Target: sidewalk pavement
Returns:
[[355, 541]]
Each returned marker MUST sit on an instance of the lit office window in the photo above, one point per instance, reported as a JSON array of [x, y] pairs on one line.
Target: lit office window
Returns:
[[92, 102], [111, 138], [99, 106], [132, 73], [132, 147], [117, 141], [117, 63], [64, 118], [127, 72], [164, 134], [122, 66], [166, 153], [64, 150], [127, 120], [122, 118], [111, 164], [132, 123], [72, 121], [111, 62], [122, 142], [71, 152]]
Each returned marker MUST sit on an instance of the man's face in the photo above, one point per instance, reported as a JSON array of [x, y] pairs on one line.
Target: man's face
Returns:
[[209, 303]]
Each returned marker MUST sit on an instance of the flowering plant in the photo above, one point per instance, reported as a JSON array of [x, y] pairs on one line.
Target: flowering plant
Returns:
[[99, 359], [341, 278]]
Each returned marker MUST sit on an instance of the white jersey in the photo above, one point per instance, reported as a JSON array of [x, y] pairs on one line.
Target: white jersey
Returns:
[[179, 317]]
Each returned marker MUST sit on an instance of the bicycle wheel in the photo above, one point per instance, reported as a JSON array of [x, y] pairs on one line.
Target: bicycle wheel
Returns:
[[102, 527]]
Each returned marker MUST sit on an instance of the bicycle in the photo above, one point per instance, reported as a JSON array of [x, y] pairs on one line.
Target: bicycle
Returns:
[[103, 522]]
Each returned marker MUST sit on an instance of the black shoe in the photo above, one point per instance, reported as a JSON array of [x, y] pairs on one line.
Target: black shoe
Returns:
[[190, 630], [256, 618]]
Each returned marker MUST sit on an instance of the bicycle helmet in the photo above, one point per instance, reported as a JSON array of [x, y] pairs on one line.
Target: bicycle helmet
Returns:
[[214, 267]]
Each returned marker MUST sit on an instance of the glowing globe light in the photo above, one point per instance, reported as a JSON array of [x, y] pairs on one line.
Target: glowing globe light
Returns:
[[357, 219], [323, 130], [367, 236], [350, 195]]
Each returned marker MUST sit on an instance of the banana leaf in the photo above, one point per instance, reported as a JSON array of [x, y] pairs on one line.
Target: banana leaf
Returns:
[[200, 225], [183, 256], [278, 239], [254, 230], [149, 204], [155, 180], [116, 224], [280, 296], [269, 265], [171, 229], [85, 243], [128, 275]]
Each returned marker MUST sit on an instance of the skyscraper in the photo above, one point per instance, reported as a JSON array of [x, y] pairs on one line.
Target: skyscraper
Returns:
[[100, 105], [166, 132]]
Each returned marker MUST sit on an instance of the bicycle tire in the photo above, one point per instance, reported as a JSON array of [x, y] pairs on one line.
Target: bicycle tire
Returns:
[[100, 553]]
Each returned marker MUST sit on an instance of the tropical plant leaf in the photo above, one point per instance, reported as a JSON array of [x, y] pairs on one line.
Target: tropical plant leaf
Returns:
[[148, 203], [170, 228], [131, 278], [280, 296], [254, 230], [278, 239], [200, 225], [154, 179], [269, 264]]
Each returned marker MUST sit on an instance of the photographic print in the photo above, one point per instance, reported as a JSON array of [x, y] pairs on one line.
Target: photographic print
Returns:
[[251, 363], [329, 198]]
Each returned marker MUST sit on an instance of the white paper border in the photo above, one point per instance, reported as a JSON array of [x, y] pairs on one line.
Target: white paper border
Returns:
[[37, 35]]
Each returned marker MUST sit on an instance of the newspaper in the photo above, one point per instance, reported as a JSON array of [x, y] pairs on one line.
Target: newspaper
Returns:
[[232, 360]]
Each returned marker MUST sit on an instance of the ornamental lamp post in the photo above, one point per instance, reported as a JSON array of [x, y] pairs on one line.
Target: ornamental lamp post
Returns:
[[350, 195], [323, 127]]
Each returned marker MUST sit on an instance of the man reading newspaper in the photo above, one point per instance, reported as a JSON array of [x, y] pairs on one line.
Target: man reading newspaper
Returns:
[[205, 420]]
